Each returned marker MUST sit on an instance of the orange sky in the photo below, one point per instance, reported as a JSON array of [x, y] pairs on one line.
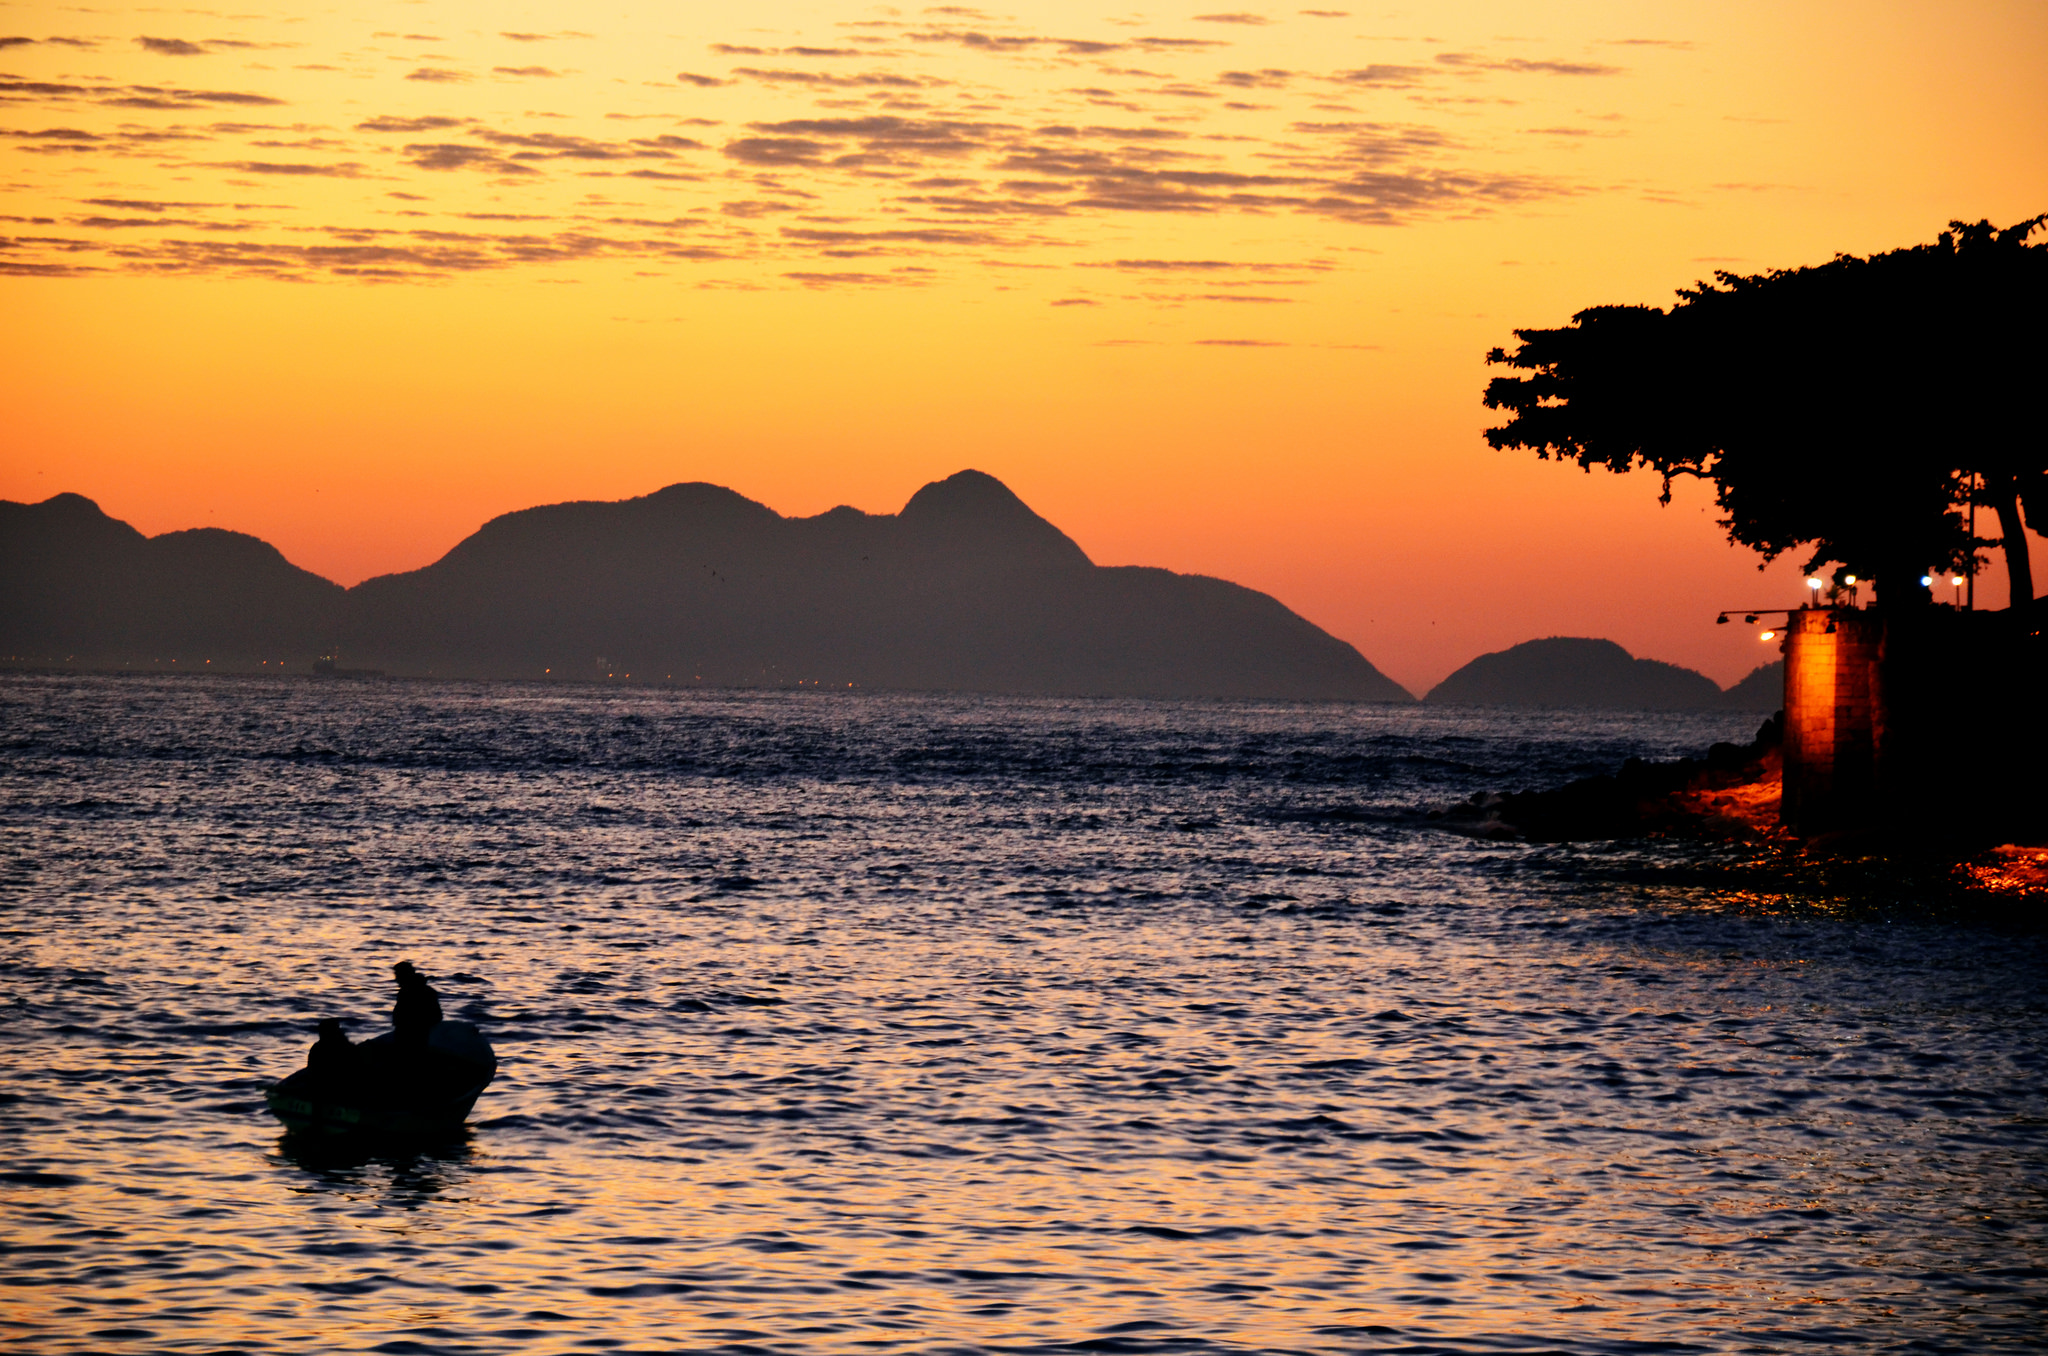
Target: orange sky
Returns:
[[1210, 289]]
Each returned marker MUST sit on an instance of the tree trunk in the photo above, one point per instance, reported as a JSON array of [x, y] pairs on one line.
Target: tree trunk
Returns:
[[2034, 499], [2003, 494]]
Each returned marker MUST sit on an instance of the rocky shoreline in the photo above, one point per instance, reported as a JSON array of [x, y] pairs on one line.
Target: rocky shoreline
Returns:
[[1732, 792], [1732, 795]]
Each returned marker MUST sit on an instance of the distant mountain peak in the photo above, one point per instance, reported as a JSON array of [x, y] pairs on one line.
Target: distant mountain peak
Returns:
[[972, 511], [702, 494], [70, 502], [35, 528], [967, 492]]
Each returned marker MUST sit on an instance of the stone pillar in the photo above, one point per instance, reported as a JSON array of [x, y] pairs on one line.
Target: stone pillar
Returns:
[[1831, 657]]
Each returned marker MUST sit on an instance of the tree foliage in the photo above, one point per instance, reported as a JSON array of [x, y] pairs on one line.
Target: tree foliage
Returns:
[[1850, 407]]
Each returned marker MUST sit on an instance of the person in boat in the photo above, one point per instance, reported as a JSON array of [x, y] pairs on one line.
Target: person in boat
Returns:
[[418, 1009], [334, 1059]]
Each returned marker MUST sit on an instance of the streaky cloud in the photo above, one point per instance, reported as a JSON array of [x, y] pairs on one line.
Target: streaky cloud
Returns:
[[145, 205], [44, 88], [1382, 76], [391, 124], [1472, 61], [154, 96], [1558, 67], [812, 279], [346, 170], [170, 47], [776, 151], [825, 80], [912, 235]]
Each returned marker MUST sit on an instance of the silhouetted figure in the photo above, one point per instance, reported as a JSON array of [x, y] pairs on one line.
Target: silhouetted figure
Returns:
[[333, 1060], [418, 1080], [418, 1009], [332, 1050]]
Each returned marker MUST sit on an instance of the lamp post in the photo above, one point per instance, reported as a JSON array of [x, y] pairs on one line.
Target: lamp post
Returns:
[[1750, 618]]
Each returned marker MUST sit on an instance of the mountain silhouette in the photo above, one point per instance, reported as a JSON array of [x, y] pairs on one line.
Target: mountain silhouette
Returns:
[[78, 587], [965, 589], [1573, 672], [1762, 690]]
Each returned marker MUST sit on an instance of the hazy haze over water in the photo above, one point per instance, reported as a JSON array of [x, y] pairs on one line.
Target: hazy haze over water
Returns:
[[942, 1023]]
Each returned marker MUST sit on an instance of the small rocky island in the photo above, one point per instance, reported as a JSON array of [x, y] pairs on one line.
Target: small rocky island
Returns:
[[1579, 672]]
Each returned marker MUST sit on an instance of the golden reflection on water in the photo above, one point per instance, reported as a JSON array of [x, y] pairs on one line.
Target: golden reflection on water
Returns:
[[1001, 1060]]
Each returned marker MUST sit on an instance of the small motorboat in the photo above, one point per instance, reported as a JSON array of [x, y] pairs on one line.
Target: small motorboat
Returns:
[[388, 1090]]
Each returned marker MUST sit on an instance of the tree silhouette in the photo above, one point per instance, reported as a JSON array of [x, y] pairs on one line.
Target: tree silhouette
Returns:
[[1991, 312], [1851, 407]]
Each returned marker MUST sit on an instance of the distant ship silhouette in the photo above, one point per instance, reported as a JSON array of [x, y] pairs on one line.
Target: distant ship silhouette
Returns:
[[965, 589]]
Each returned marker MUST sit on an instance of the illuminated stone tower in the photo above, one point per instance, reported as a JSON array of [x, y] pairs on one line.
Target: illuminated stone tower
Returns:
[[1918, 723], [1832, 722]]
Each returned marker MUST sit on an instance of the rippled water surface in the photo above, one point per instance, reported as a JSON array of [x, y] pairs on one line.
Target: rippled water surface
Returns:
[[873, 1023]]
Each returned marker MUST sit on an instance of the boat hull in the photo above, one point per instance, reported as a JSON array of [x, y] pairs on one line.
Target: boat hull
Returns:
[[307, 1113], [389, 1092]]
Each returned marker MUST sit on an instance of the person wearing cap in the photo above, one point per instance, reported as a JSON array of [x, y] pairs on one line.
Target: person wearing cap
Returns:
[[418, 1008]]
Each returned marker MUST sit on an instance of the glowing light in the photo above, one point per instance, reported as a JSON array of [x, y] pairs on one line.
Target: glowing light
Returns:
[[1813, 584], [1925, 580], [1850, 580], [1768, 635], [1957, 581]]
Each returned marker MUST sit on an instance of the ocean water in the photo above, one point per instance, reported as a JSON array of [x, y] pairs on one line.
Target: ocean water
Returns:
[[891, 1023]]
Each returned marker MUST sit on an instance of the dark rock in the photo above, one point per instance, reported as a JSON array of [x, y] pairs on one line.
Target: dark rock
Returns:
[[1643, 797]]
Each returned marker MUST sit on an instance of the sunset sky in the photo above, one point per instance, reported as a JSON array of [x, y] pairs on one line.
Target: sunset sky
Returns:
[[1209, 289]]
